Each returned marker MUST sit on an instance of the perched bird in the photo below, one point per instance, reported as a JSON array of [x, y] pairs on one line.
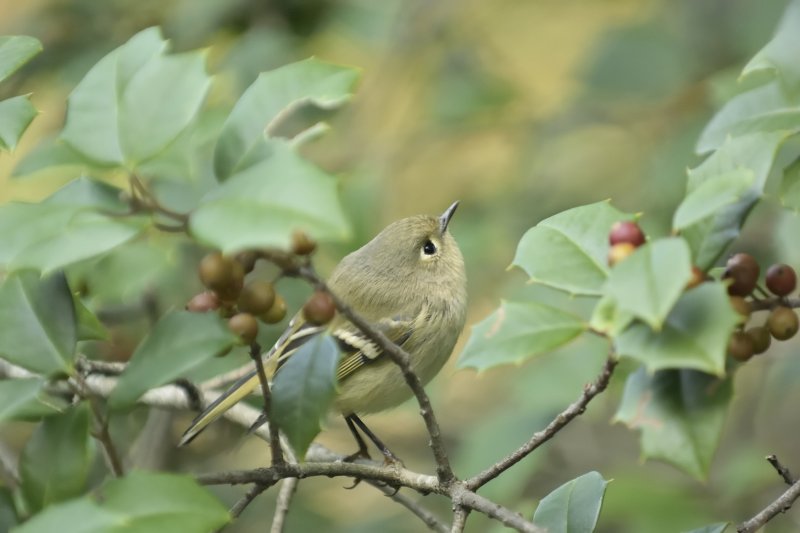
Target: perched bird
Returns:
[[409, 283]]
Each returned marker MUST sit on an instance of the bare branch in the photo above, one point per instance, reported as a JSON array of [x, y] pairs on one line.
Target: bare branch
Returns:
[[100, 432], [780, 469], [274, 434], [780, 505], [772, 302], [248, 498], [562, 419], [415, 507], [288, 488], [505, 516]]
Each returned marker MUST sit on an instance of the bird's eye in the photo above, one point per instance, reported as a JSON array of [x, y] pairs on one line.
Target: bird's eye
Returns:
[[429, 248]]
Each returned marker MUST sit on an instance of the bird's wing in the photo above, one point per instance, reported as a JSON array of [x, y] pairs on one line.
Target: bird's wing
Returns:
[[358, 350]]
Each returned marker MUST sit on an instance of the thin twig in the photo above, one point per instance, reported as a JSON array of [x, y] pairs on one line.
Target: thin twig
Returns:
[[557, 424], [100, 433], [782, 470], [248, 497], [274, 434], [288, 488], [400, 357], [772, 302], [780, 505], [422, 512]]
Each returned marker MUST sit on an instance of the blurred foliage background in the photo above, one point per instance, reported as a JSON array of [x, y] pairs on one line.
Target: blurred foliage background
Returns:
[[519, 109]]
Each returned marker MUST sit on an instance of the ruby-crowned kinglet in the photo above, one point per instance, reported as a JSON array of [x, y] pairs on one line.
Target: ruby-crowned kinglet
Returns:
[[408, 282]]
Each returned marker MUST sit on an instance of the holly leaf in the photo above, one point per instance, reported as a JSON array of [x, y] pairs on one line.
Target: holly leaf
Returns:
[[15, 51], [649, 282], [753, 153], [303, 390], [568, 251], [25, 399], [694, 335], [16, 114], [517, 331], [680, 414], [135, 102], [271, 98], [779, 56], [137, 503], [712, 195], [260, 206], [574, 507], [55, 463], [71, 225], [179, 343], [38, 327]]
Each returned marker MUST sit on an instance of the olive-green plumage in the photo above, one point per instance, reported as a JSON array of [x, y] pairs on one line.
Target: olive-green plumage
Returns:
[[409, 282]]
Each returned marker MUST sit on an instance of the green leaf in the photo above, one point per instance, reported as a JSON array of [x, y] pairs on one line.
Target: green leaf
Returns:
[[695, 333], [574, 507], [69, 226], [780, 54], [89, 326], [83, 516], [8, 509], [517, 331], [303, 390], [54, 465], [763, 109], [568, 251], [790, 186], [164, 502], [269, 99], [608, 318], [38, 328], [25, 399], [16, 114], [712, 195], [680, 414], [649, 282], [719, 527], [135, 102], [140, 502], [47, 154], [260, 206], [755, 153], [179, 342], [15, 51]]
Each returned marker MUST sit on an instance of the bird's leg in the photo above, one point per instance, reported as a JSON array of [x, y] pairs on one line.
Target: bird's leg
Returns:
[[388, 456], [363, 452]]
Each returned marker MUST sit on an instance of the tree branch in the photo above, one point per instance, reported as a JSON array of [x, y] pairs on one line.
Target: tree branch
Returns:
[[422, 512], [562, 419], [288, 488], [460, 514], [780, 469], [248, 497], [274, 434], [780, 505]]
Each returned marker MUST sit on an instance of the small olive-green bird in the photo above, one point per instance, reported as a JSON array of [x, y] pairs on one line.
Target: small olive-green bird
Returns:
[[409, 283]]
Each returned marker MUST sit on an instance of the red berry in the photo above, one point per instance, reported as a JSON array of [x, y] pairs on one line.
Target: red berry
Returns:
[[620, 251], [740, 346], [203, 302], [698, 277], [742, 308], [257, 297], [302, 244], [782, 323], [761, 338], [626, 231], [781, 279], [742, 270], [277, 312], [245, 326], [319, 309]]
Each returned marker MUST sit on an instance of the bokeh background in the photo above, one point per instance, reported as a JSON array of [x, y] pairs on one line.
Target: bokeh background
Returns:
[[518, 108]]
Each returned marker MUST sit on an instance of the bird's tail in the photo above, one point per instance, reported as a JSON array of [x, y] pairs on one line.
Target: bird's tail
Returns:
[[232, 396]]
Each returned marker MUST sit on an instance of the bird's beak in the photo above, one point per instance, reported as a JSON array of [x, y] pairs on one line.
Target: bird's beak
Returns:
[[444, 220]]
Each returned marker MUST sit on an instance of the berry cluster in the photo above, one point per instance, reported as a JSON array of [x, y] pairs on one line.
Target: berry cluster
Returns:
[[243, 303], [742, 273]]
